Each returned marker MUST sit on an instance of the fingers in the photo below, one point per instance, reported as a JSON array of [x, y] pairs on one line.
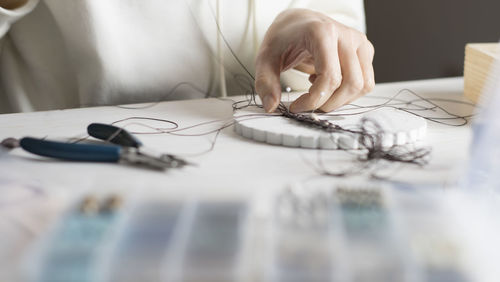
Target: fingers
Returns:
[[353, 82], [337, 58], [306, 68], [267, 80], [326, 79], [365, 55]]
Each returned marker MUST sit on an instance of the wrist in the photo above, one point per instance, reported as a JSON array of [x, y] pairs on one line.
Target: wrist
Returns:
[[12, 4]]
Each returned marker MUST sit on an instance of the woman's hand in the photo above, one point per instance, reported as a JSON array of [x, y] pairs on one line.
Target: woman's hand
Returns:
[[337, 58]]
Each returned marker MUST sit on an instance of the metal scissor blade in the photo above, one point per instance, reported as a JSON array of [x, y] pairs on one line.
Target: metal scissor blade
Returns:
[[172, 160], [178, 162], [136, 156]]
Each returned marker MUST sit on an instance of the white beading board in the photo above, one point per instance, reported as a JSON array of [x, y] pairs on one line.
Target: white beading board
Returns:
[[399, 128]]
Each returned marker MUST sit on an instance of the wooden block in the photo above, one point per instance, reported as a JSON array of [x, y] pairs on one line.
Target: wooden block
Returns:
[[479, 58]]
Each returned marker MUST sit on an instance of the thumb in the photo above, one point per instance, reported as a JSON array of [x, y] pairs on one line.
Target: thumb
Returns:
[[267, 81]]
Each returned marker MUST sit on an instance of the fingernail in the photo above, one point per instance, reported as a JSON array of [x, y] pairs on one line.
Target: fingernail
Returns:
[[268, 103], [321, 95]]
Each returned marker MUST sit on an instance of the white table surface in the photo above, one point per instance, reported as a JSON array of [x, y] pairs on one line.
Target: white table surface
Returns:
[[235, 166]]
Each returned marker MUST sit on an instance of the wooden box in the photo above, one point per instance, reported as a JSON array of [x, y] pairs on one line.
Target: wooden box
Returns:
[[479, 58]]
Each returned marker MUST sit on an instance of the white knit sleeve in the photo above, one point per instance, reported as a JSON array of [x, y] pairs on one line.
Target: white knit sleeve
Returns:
[[8, 17]]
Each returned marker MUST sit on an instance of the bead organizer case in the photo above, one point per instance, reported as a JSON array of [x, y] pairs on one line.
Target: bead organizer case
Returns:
[[299, 233]]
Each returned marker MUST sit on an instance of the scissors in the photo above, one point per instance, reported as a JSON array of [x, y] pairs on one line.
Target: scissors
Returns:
[[124, 148]]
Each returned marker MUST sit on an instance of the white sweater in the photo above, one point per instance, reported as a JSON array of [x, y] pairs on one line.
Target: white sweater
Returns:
[[70, 53]]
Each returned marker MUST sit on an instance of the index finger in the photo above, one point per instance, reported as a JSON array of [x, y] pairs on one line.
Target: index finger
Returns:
[[267, 80]]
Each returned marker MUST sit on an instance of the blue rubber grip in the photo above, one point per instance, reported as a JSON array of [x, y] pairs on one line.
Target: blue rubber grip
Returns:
[[71, 152], [118, 135]]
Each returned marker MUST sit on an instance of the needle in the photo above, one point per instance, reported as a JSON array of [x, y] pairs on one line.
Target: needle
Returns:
[[288, 89]]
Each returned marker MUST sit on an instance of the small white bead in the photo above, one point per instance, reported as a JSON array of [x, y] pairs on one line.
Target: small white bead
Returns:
[[288, 89], [315, 116]]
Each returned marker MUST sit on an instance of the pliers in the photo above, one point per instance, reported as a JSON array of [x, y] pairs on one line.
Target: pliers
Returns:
[[124, 148]]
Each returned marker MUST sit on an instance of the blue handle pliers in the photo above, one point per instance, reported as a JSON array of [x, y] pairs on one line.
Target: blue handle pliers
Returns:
[[124, 148]]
